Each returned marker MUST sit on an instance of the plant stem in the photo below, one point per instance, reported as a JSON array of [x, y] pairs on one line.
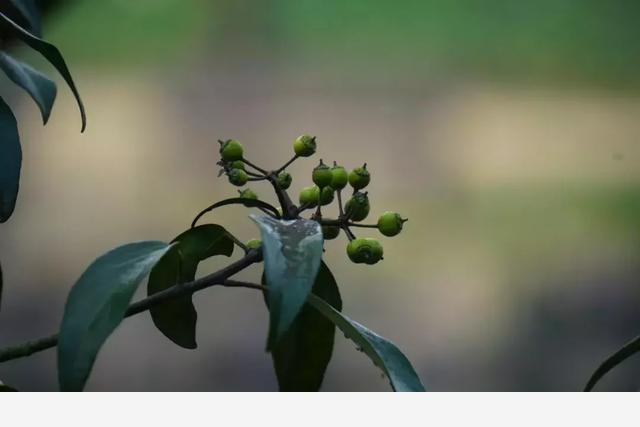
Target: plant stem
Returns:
[[340, 209], [176, 291], [287, 164], [289, 210], [258, 168]]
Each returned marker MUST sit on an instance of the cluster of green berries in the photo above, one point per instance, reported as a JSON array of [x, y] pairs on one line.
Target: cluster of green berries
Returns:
[[327, 181]]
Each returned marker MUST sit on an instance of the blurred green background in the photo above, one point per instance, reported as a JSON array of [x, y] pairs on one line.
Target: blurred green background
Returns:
[[507, 131]]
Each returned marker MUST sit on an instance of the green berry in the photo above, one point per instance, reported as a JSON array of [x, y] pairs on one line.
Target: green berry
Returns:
[[390, 223], [357, 207], [237, 164], [305, 145], [254, 244], [326, 195], [339, 177], [330, 232], [231, 150], [322, 175], [238, 177], [284, 180], [248, 194], [309, 196], [364, 251], [359, 177]]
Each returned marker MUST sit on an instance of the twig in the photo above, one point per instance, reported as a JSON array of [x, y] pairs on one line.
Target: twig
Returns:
[[293, 159], [176, 291], [340, 209], [258, 168]]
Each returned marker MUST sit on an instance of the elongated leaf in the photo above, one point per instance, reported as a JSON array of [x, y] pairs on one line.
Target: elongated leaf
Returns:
[[177, 318], [10, 161], [301, 357], [96, 305], [250, 203], [50, 52], [383, 353], [4, 387], [292, 251], [1, 281], [30, 15], [42, 90], [628, 350]]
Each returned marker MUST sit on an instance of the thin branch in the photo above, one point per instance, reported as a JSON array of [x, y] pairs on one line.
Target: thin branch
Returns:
[[289, 210], [240, 284], [236, 200], [340, 208], [258, 168], [176, 291], [293, 159], [356, 224], [238, 242]]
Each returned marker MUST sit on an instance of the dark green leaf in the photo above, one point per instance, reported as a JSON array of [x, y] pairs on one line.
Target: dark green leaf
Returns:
[[250, 203], [10, 161], [628, 350], [177, 318], [50, 52], [42, 90], [1, 281], [28, 10], [383, 353], [96, 305], [292, 253], [4, 387], [302, 355]]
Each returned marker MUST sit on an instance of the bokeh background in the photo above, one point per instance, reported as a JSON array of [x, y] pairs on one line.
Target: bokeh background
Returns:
[[507, 131]]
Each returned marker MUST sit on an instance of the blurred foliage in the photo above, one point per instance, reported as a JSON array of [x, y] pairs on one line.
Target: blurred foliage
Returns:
[[117, 33], [586, 41]]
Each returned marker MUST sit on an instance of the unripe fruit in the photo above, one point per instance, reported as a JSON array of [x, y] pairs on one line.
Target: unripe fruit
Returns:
[[357, 207], [231, 150], [322, 175], [364, 251], [237, 164], [254, 244], [305, 145], [339, 177], [359, 177], [330, 232], [284, 180], [238, 177], [248, 194], [309, 196], [390, 223], [326, 195]]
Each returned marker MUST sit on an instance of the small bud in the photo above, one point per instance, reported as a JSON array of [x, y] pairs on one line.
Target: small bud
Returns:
[[330, 232], [305, 145], [357, 207], [390, 223], [322, 175], [254, 244], [339, 177], [309, 196], [326, 195], [365, 251], [237, 164], [359, 177], [231, 150], [284, 180], [248, 194], [238, 177]]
